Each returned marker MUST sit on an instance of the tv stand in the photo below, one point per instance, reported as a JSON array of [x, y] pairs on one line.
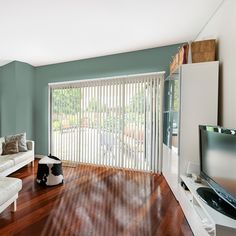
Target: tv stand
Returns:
[[202, 218], [209, 196]]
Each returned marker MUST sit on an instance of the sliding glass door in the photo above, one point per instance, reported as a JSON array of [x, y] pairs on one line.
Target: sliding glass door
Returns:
[[112, 122]]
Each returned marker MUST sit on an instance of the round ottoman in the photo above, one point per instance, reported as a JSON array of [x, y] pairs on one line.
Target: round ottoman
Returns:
[[50, 171]]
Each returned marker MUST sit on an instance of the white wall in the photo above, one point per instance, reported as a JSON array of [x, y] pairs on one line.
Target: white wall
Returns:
[[223, 27]]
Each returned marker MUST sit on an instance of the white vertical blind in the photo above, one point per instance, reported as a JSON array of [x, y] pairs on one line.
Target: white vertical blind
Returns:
[[113, 122]]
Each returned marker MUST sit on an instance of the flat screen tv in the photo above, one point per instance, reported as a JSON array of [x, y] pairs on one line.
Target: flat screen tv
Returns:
[[218, 168]]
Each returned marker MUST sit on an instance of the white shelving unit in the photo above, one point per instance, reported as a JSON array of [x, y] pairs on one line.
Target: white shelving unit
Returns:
[[203, 220], [190, 99]]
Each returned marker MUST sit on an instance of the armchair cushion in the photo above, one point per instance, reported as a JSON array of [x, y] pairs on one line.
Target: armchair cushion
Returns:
[[9, 187]]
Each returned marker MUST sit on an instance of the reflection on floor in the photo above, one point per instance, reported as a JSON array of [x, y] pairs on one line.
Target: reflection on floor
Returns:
[[95, 201]]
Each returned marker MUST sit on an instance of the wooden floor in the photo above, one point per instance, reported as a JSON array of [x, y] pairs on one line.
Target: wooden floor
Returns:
[[95, 201]]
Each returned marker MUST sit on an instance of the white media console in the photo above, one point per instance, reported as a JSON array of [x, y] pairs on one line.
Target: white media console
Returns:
[[203, 220]]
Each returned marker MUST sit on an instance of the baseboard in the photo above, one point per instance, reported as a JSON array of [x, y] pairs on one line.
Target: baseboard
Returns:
[[39, 156]]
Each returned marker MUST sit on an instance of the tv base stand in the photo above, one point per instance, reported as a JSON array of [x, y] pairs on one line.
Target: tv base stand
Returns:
[[213, 200], [202, 218]]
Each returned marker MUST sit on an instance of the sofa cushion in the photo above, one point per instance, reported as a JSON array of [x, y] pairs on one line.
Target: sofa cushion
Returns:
[[5, 163], [9, 187], [10, 147], [21, 138], [20, 157]]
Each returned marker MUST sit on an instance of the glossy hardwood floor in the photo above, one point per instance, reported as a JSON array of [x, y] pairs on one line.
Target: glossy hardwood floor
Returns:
[[95, 201]]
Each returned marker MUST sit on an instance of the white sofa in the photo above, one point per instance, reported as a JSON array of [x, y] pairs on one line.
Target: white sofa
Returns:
[[9, 187], [13, 162]]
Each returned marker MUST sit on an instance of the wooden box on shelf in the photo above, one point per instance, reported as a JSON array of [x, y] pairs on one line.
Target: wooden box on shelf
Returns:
[[203, 51], [180, 58], [174, 64]]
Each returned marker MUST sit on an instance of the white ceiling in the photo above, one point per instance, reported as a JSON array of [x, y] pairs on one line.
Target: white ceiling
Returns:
[[52, 31]]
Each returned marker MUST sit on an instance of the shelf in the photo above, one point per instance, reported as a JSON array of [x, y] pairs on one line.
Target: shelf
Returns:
[[173, 76], [171, 111], [170, 79]]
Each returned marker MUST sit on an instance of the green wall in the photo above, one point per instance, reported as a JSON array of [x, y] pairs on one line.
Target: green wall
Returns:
[[16, 93], [25, 99], [24, 89], [8, 99]]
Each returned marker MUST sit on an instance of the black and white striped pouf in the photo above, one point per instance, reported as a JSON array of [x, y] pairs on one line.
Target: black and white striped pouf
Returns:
[[50, 171]]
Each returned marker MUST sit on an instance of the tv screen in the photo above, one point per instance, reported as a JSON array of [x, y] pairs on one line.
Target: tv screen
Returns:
[[218, 160]]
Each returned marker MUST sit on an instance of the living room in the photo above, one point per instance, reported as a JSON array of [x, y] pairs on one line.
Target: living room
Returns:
[[86, 83]]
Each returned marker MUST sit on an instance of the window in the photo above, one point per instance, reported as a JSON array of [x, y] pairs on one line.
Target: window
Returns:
[[113, 122]]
